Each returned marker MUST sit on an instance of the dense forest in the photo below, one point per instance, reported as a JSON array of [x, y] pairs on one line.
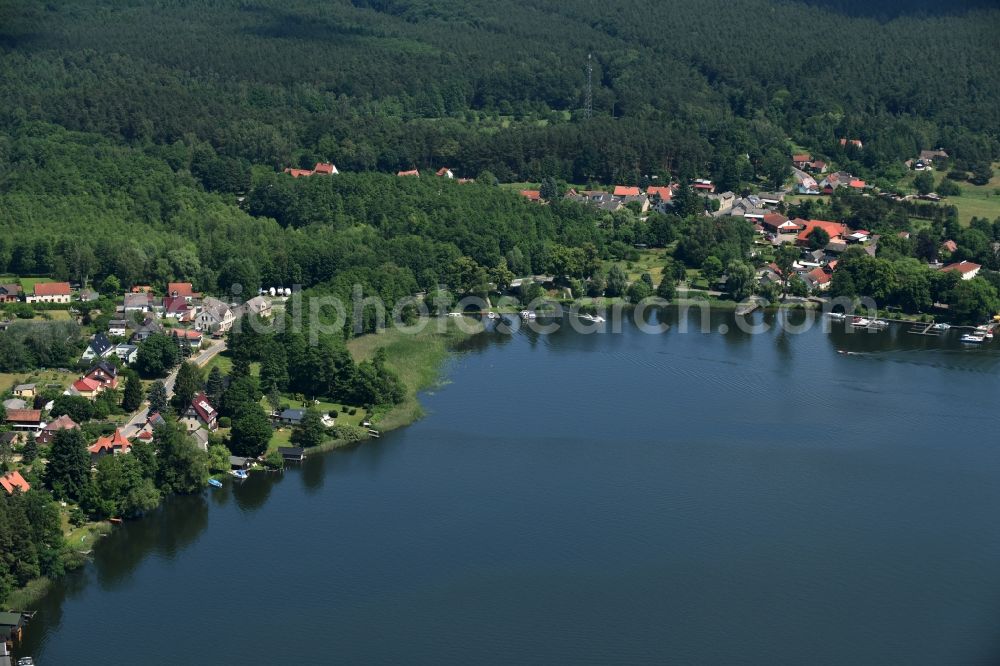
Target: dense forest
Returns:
[[129, 129], [390, 84]]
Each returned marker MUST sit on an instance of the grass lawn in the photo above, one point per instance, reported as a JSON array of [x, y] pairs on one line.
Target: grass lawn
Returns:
[[975, 200], [650, 261], [28, 283], [223, 361], [9, 379], [415, 357]]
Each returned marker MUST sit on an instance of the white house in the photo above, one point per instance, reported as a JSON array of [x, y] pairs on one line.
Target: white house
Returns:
[[99, 347], [49, 292], [215, 316], [967, 269]]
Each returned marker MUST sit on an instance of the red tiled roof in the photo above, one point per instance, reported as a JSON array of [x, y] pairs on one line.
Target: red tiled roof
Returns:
[[187, 334], [109, 444], [411, 172], [819, 275], [533, 195], [203, 408], [324, 167], [64, 422], [834, 229], [14, 480], [298, 173], [857, 183], [24, 415], [626, 191], [664, 193], [443, 171], [52, 289], [86, 385], [181, 289], [802, 157], [950, 245], [962, 267]]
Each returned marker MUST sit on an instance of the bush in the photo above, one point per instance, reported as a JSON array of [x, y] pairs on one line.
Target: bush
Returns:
[[353, 411], [225, 422], [349, 433], [274, 460], [77, 517]]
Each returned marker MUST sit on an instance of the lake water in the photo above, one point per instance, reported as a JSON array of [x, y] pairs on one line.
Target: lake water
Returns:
[[681, 498]]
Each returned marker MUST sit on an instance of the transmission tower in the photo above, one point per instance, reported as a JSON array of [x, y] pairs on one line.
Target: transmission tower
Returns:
[[588, 102]]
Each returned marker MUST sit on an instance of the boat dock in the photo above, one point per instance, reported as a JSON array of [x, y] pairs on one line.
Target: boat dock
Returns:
[[925, 329]]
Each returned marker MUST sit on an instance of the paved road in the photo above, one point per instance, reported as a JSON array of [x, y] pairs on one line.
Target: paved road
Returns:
[[201, 359]]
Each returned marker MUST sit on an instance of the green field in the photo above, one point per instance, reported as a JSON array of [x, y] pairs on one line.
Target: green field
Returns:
[[10, 379], [417, 359], [975, 200]]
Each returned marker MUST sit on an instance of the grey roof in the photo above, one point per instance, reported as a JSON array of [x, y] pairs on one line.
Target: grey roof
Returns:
[[293, 414], [140, 300], [214, 307], [24, 387], [14, 403], [100, 344]]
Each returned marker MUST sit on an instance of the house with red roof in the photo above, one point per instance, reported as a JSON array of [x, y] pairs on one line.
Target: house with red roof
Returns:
[[857, 184], [50, 292], [64, 422], [626, 191], [12, 481], [324, 169], [856, 143], [115, 444], [298, 173], [24, 419], [85, 388], [183, 290], [802, 160], [531, 195], [703, 185], [949, 245], [444, 172], [179, 308], [967, 269], [659, 193], [836, 231], [818, 279], [10, 293], [412, 172], [777, 223], [200, 413], [104, 374]]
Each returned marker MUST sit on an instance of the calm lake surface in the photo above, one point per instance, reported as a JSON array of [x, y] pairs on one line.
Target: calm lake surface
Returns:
[[681, 498]]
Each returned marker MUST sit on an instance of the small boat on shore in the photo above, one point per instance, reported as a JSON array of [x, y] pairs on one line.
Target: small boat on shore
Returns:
[[215, 483], [973, 338]]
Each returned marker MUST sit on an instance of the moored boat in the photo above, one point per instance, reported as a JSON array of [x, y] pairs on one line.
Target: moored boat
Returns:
[[215, 483], [973, 338]]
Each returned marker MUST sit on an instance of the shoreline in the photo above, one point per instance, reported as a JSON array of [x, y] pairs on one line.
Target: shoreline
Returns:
[[418, 359]]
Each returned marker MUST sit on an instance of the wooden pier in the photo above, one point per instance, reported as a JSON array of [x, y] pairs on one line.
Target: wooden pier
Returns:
[[925, 329]]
